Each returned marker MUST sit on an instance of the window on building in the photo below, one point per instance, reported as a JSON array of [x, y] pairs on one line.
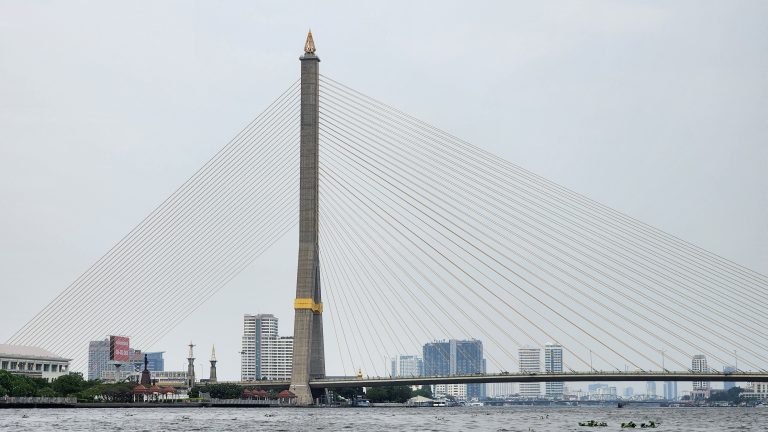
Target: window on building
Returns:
[[4, 365]]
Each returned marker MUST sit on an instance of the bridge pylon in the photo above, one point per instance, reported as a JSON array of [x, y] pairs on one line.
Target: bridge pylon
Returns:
[[308, 350]]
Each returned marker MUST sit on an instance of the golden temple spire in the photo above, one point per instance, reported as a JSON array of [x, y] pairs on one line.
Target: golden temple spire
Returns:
[[309, 46]]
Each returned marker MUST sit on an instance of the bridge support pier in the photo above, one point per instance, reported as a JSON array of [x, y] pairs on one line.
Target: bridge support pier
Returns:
[[308, 347]]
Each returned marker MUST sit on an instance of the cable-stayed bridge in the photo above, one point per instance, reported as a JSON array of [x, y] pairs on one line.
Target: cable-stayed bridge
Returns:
[[409, 234]]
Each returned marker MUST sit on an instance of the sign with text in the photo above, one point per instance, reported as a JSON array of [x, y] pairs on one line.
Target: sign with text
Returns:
[[118, 348]]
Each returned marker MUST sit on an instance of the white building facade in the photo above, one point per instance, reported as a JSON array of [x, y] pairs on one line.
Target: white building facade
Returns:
[[699, 365], [32, 361], [530, 362], [458, 391], [553, 363], [265, 354], [406, 366]]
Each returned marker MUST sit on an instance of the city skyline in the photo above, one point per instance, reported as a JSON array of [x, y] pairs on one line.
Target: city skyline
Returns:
[[83, 229]]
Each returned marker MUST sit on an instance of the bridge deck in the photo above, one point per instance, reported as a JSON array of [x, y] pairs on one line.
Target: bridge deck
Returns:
[[336, 382]]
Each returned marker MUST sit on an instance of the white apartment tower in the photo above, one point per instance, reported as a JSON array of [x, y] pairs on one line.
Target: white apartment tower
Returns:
[[699, 365], [265, 354], [553, 363], [530, 361], [406, 366]]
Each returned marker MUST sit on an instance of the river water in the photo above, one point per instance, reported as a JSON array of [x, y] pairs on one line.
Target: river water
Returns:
[[524, 419]]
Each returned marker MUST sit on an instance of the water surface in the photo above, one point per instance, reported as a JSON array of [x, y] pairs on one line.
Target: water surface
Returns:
[[524, 419]]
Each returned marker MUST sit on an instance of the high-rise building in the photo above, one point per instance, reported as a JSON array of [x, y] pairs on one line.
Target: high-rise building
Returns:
[[727, 385], [265, 354], [155, 360], [406, 366], [458, 391], [650, 389], [670, 390], [500, 390], [456, 357], [699, 365], [106, 357], [553, 363], [629, 392], [530, 362]]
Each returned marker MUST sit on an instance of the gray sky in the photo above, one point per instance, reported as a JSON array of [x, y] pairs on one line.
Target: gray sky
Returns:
[[656, 109]]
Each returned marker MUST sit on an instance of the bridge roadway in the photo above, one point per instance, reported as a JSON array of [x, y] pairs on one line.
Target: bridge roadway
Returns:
[[344, 381]]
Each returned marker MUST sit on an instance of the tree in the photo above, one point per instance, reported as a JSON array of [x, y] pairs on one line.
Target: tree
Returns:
[[424, 391], [23, 388], [3, 391], [6, 379], [67, 385], [389, 394], [349, 392], [732, 395], [47, 392]]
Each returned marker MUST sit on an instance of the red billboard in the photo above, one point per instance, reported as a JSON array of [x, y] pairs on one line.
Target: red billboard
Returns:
[[118, 348]]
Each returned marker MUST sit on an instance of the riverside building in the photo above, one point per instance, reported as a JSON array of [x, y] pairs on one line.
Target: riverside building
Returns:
[[699, 364], [406, 366], [530, 361], [553, 363], [265, 354], [456, 357], [32, 361]]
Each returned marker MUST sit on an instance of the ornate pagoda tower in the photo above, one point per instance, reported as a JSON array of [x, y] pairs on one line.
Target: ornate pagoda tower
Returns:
[[212, 377], [191, 366]]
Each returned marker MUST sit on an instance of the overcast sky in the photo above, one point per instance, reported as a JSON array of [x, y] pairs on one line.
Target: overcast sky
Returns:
[[657, 109]]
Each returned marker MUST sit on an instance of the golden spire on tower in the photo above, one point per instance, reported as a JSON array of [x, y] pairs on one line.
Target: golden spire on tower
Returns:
[[309, 46]]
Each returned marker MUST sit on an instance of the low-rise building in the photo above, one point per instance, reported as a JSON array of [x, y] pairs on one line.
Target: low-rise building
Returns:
[[32, 361]]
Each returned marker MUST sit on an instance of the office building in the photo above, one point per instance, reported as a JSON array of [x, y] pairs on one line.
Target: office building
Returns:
[[699, 365], [553, 363], [111, 355], [530, 362], [727, 385], [500, 390], [456, 357], [628, 392], [406, 366], [650, 389], [670, 390], [33, 362], [155, 360], [458, 391], [265, 354]]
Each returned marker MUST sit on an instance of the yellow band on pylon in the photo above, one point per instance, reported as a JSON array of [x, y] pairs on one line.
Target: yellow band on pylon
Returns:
[[308, 303]]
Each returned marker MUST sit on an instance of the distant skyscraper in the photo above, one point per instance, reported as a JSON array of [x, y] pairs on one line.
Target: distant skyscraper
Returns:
[[456, 357], [629, 392], [727, 385], [530, 361], [105, 355], [406, 366], [699, 365], [156, 363], [650, 389], [553, 363], [670, 390], [265, 354]]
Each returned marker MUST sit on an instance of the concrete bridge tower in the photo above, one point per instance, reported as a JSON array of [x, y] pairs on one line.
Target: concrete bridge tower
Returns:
[[308, 351]]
